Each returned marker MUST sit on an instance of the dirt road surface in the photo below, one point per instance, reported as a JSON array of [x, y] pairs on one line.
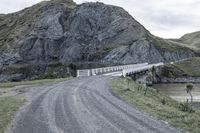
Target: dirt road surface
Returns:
[[82, 105]]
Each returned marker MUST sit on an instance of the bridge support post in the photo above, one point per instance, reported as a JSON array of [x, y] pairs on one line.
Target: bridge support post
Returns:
[[77, 73], [96, 71], [124, 73], [93, 72]]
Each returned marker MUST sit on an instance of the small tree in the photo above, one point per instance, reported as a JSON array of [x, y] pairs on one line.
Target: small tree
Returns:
[[153, 72], [189, 88], [149, 80]]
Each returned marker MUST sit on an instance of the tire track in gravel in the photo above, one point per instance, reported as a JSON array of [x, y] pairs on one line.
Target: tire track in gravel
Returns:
[[84, 105], [126, 113], [122, 124]]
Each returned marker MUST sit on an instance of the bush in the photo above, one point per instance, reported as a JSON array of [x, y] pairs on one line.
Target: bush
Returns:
[[163, 101], [186, 107]]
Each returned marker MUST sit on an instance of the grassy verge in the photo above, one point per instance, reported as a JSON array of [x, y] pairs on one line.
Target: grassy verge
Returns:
[[34, 82], [8, 106], [157, 105]]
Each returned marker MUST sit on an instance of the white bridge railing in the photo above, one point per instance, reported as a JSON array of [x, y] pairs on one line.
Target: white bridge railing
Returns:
[[96, 71], [130, 71]]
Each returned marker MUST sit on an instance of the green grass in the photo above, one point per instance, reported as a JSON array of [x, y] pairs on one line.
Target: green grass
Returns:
[[152, 103], [187, 68], [190, 40], [34, 82], [8, 106], [165, 44]]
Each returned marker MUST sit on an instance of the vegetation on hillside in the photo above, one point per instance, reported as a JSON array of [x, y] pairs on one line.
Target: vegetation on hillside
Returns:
[[15, 25], [39, 71], [179, 115], [191, 40], [165, 44], [186, 68]]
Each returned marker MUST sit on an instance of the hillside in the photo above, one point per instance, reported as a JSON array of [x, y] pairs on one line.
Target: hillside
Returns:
[[185, 68], [191, 40], [59, 31]]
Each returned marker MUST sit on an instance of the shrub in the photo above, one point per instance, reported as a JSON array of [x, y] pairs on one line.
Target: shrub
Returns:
[[186, 107], [163, 101]]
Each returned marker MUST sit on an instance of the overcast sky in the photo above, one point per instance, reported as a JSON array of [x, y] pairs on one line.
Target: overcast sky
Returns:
[[164, 18]]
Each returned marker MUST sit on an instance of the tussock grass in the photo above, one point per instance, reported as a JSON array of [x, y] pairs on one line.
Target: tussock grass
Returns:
[[157, 105], [8, 106], [33, 82]]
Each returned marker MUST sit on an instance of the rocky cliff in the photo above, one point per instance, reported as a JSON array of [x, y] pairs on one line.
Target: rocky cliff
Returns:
[[59, 31]]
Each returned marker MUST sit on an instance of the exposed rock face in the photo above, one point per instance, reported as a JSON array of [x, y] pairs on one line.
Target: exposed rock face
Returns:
[[145, 51], [96, 29], [61, 31]]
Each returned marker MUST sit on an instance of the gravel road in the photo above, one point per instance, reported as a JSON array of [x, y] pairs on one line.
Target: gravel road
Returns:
[[82, 105]]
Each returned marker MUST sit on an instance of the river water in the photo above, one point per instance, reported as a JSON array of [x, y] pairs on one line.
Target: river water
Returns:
[[178, 91]]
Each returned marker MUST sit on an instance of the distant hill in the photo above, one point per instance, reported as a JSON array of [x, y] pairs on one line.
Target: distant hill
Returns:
[[60, 31], [191, 40], [185, 68]]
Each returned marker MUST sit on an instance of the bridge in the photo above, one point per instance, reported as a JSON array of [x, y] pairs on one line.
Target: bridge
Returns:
[[131, 71], [85, 105], [121, 70]]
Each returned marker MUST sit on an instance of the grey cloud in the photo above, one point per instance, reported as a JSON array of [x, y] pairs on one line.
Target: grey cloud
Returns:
[[166, 18]]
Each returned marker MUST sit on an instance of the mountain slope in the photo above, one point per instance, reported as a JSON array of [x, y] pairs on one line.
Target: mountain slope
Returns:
[[191, 40], [59, 31], [37, 23]]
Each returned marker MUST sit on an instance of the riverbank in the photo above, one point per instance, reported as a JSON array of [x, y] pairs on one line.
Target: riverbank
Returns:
[[177, 91], [157, 105]]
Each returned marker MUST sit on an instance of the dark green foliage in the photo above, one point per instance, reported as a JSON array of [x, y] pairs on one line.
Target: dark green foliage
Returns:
[[153, 71], [73, 69], [163, 101], [39, 71], [172, 71], [149, 79], [189, 87], [186, 107]]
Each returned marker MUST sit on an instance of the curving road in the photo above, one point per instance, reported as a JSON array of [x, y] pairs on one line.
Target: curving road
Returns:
[[82, 105]]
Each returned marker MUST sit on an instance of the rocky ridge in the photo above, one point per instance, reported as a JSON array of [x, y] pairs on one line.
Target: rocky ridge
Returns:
[[59, 31]]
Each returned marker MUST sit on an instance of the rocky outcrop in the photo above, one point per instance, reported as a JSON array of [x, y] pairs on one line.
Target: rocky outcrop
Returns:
[[145, 51], [61, 31]]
